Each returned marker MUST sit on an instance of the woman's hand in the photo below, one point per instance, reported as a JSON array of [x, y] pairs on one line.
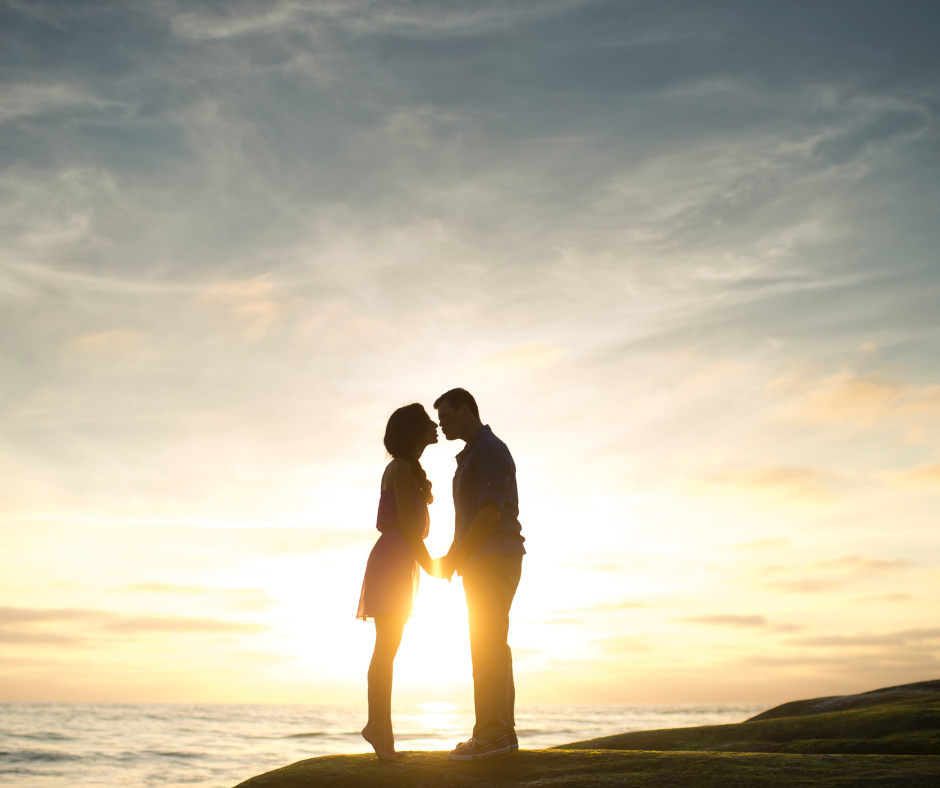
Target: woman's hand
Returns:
[[442, 567]]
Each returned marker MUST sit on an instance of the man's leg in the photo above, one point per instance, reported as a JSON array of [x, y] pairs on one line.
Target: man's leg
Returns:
[[490, 585]]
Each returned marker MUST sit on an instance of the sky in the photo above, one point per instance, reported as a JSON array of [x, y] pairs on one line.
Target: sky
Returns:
[[684, 255]]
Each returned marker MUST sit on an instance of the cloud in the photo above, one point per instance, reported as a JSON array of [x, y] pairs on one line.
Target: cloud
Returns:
[[361, 17], [26, 615], [24, 100], [113, 346], [232, 24], [864, 401], [884, 666], [518, 359], [734, 621], [730, 620], [906, 637], [586, 566], [280, 540], [103, 622], [883, 127], [250, 301], [178, 624], [828, 574], [38, 638], [768, 543], [924, 477], [807, 585], [862, 566], [885, 598], [290, 214], [791, 483], [613, 607], [625, 644], [242, 598]]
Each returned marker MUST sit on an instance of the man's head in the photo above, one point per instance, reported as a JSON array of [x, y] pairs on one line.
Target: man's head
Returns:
[[458, 414]]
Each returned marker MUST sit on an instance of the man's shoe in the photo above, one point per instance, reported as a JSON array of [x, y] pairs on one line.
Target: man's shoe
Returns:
[[479, 748], [513, 741]]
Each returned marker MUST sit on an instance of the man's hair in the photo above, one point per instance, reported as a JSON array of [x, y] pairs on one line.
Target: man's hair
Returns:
[[456, 398]]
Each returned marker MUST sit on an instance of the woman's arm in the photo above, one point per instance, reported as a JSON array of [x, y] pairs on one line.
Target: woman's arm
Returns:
[[403, 480]]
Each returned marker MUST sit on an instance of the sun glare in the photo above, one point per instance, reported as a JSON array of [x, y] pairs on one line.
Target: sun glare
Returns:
[[439, 717], [435, 651]]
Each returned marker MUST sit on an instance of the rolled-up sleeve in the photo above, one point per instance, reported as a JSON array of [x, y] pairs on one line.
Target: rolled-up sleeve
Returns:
[[493, 478]]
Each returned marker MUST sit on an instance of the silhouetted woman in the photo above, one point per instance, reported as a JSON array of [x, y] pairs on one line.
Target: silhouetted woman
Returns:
[[391, 580]]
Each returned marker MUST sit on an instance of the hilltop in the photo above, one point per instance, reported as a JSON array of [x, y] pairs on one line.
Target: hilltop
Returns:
[[887, 737], [903, 720]]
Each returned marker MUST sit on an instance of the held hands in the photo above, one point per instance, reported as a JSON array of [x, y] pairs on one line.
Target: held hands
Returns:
[[443, 567]]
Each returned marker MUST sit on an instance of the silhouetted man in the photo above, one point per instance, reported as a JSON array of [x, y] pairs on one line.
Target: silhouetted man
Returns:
[[487, 552]]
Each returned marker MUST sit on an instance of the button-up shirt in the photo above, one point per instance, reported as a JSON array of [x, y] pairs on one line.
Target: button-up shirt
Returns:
[[485, 474]]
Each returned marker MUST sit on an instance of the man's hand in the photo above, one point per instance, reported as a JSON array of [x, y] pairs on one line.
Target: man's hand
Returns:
[[443, 567]]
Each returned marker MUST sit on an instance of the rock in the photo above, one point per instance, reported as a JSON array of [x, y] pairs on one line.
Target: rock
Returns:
[[880, 739]]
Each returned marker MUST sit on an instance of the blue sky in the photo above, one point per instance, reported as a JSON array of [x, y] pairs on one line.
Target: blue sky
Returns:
[[685, 256]]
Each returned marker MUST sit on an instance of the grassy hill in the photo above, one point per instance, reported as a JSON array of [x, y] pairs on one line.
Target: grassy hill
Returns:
[[902, 720], [887, 738], [609, 769]]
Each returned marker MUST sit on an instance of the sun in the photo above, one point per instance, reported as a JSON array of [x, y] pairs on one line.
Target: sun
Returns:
[[435, 649]]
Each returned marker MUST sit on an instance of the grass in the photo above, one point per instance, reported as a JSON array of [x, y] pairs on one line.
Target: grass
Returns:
[[895, 721], [875, 740], [608, 768]]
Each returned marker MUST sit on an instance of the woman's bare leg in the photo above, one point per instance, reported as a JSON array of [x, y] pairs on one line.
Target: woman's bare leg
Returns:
[[378, 730], [389, 736]]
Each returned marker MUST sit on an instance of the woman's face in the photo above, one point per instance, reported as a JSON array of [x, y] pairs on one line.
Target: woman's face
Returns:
[[430, 434], [429, 437]]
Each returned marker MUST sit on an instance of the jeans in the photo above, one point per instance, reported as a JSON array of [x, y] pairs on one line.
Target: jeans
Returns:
[[489, 585]]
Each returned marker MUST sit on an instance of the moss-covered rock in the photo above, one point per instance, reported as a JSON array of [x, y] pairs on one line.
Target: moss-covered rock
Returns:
[[893, 721], [606, 769], [883, 738]]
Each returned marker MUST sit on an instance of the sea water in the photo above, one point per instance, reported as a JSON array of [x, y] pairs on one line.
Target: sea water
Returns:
[[101, 745]]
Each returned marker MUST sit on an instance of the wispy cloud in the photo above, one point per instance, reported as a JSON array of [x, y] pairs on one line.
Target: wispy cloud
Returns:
[[626, 644], [25, 625], [519, 358], [241, 598], [860, 565], [20, 638], [829, 574], [588, 566], [727, 620], [924, 477], [929, 636], [20, 615], [866, 401], [736, 621], [614, 607], [796, 484], [768, 543], [25, 100], [885, 598], [179, 624], [234, 236]]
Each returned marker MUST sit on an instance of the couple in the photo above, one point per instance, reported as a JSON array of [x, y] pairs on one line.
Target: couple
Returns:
[[486, 552]]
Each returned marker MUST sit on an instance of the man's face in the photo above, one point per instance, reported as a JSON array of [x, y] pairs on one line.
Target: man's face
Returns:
[[452, 421]]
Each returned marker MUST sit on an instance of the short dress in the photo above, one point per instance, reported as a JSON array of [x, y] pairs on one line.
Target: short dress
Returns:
[[391, 581]]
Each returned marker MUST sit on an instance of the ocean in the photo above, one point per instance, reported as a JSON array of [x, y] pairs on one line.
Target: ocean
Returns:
[[133, 745]]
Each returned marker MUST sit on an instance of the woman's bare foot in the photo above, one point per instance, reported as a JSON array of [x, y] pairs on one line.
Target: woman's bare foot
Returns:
[[377, 740], [390, 745]]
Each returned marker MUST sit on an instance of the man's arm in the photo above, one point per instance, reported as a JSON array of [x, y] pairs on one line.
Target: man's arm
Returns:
[[480, 529]]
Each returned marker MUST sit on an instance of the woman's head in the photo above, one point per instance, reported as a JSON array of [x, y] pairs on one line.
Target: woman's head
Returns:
[[408, 432]]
